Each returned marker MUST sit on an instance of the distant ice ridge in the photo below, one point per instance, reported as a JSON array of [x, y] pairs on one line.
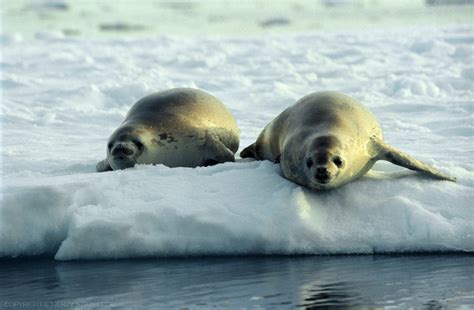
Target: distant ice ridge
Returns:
[[233, 208], [63, 97]]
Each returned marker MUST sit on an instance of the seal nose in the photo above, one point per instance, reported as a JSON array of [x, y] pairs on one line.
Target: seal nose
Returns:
[[321, 174], [122, 150]]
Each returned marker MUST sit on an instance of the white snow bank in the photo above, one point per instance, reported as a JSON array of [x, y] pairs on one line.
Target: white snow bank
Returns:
[[233, 208], [63, 97]]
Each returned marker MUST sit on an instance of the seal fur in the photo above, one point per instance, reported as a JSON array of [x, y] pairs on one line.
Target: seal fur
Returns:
[[180, 127], [328, 139]]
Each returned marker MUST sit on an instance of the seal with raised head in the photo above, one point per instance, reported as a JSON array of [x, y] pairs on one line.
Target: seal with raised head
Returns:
[[180, 127], [327, 139]]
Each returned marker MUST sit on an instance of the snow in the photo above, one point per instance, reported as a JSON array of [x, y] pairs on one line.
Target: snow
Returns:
[[63, 96]]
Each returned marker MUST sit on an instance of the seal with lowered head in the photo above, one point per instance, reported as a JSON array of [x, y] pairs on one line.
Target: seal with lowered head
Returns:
[[180, 127], [328, 139]]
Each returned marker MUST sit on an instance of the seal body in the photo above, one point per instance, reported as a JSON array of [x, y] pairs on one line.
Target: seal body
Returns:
[[180, 127], [327, 139]]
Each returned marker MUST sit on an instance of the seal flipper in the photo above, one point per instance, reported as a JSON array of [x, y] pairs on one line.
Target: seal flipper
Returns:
[[103, 166], [249, 151], [399, 158], [218, 152]]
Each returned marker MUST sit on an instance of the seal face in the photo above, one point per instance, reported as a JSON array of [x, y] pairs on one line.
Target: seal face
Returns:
[[180, 127], [327, 139], [323, 161]]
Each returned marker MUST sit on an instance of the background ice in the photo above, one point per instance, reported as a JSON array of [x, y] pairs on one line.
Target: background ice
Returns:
[[62, 97], [112, 18]]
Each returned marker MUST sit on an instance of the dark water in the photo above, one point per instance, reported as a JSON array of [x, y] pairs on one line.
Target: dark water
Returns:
[[338, 282]]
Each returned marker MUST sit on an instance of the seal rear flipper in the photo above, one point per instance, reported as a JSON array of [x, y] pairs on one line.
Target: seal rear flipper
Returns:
[[249, 151], [399, 158], [103, 166]]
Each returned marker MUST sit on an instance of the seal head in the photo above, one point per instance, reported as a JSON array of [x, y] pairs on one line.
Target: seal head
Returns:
[[323, 162], [123, 149]]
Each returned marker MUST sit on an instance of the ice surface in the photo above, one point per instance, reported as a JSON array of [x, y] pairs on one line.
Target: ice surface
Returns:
[[62, 97], [118, 18]]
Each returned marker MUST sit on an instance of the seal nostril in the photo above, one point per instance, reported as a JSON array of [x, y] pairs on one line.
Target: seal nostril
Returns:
[[121, 150], [321, 170], [321, 174]]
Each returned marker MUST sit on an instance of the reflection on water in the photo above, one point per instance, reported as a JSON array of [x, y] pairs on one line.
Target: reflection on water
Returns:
[[340, 282], [340, 295]]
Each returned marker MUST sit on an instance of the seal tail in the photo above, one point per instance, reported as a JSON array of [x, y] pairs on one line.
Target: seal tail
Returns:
[[249, 151], [399, 158]]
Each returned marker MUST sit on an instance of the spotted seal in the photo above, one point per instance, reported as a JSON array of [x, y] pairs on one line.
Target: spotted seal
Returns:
[[180, 127]]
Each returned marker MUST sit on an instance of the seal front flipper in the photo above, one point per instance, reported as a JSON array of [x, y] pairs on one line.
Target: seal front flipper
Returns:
[[217, 153], [249, 151], [103, 166], [399, 158]]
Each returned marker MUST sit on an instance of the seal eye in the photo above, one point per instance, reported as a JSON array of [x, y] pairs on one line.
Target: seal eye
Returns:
[[309, 162], [337, 161], [110, 145], [138, 144]]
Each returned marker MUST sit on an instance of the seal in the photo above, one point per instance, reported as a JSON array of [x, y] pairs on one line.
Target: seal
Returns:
[[328, 139], [180, 127]]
